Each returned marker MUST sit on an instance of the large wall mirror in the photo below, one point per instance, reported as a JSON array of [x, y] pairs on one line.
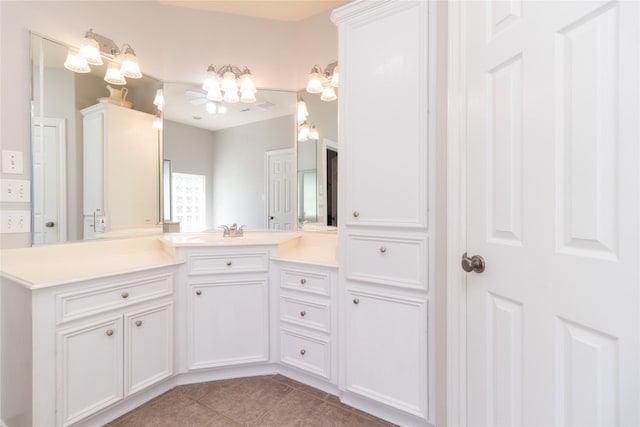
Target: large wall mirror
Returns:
[[96, 164]]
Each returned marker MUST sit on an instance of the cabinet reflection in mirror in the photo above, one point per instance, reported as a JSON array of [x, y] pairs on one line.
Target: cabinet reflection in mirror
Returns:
[[318, 166], [235, 166], [95, 153]]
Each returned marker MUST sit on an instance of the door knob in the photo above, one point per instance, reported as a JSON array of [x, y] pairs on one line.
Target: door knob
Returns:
[[271, 217], [50, 224], [475, 263]]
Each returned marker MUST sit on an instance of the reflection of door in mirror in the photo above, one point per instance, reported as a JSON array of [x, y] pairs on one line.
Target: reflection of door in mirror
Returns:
[[59, 176], [280, 189]]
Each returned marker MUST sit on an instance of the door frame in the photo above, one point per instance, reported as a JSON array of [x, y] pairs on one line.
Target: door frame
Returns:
[[60, 125], [457, 217], [294, 195]]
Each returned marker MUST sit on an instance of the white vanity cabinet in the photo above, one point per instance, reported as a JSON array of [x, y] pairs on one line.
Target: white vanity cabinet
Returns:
[[120, 175], [227, 305], [386, 241], [308, 320]]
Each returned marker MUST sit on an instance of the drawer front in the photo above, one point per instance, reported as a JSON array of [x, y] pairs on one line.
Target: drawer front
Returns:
[[306, 353], [78, 304], [388, 260], [306, 281], [309, 314], [228, 263]]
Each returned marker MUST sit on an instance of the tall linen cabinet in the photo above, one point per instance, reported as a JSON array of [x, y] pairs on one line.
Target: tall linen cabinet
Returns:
[[386, 202]]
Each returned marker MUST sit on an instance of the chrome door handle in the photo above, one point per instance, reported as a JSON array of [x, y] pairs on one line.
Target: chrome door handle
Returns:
[[475, 263]]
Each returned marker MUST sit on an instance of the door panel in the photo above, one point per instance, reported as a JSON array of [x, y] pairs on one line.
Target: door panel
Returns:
[[552, 206], [281, 212]]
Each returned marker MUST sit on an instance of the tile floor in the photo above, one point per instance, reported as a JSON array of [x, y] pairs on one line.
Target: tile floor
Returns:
[[271, 400]]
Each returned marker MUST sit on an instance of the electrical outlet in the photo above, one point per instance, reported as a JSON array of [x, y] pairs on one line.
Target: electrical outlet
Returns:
[[12, 162], [15, 222], [15, 190]]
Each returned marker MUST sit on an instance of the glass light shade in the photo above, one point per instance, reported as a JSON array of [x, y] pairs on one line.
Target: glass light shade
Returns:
[[303, 132], [158, 101], [335, 79], [246, 82], [315, 83], [90, 49], [302, 112], [328, 94], [211, 108], [231, 96], [211, 80], [157, 123], [76, 63], [214, 93], [130, 67], [248, 96], [302, 137], [313, 133], [114, 75], [229, 82]]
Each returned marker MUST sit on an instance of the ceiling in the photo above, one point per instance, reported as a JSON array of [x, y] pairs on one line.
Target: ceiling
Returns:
[[285, 10]]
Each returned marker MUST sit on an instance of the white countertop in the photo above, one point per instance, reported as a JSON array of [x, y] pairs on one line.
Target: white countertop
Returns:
[[53, 265]]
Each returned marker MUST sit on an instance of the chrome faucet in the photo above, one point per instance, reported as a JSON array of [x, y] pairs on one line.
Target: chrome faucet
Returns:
[[233, 231]]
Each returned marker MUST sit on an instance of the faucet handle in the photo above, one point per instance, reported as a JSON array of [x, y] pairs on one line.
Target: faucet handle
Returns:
[[226, 230]]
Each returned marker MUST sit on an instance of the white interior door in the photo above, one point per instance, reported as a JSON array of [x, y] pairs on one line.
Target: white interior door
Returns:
[[552, 206], [49, 183], [280, 206]]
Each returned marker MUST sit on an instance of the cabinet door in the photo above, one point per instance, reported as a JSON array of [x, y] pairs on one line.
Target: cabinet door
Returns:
[[89, 365], [148, 347], [386, 350], [384, 157], [228, 323]]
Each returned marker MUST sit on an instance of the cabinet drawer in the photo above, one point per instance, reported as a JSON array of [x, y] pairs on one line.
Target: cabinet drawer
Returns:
[[228, 263], [74, 305], [313, 315], [388, 260], [306, 281], [304, 352]]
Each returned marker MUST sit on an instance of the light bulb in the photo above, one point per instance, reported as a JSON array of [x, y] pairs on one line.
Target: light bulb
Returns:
[[246, 81], [229, 82], [328, 93], [76, 63], [114, 75], [214, 93], [231, 96], [90, 49], [211, 80]]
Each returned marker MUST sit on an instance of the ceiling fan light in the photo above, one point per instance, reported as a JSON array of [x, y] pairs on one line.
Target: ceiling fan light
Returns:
[[114, 75], [130, 67], [76, 63], [90, 49]]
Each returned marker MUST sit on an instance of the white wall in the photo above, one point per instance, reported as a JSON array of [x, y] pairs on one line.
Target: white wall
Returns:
[[172, 43], [238, 180]]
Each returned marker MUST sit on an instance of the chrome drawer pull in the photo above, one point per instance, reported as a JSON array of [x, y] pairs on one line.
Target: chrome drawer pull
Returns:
[[303, 313], [356, 214], [125, 295], [356, 301], [229, 263], [303, 281], [198, 292], [110, 332], [303, 351], [383, 249], [138, 322]]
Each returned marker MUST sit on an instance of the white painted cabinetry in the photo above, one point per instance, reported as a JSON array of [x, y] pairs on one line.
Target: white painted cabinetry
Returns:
[[227, 306], [386, 243], [120, 176]]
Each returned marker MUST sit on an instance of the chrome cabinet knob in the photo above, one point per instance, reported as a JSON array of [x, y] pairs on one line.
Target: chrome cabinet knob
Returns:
[[110, 332], [138, 322], [303, 351], [125, 295], [198, 292], [475, 263], [303, 281], [303, 313], [229, 263], [356, 214], [383, 249], [356, 301], [50, 224]]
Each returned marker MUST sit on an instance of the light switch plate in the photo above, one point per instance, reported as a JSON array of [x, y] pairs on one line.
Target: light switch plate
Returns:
[[15, 190], [15, 222], [12, 162]]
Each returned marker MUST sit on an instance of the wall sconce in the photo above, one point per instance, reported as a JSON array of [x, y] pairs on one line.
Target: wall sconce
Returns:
[[230, 84], [324, 82], [90, 52], [306, 132]]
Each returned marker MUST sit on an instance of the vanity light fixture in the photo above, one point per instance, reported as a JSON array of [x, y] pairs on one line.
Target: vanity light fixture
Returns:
[[313, 133], [301, 111], [230, 84], [91, 49], [324, 82]]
